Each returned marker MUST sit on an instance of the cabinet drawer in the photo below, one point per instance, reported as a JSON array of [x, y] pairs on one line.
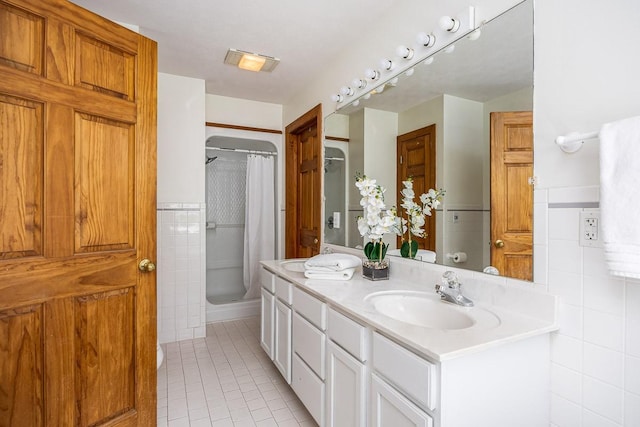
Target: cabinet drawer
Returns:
[[411, 374], [284, 290], [310, 308], [309, 388], [390, 408], [267, 280], [348, 334], [309, 344]]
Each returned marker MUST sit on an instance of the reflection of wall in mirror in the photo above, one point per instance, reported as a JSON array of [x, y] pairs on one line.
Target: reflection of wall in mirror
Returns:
[[463, 224], [373, 153], [335, 183]]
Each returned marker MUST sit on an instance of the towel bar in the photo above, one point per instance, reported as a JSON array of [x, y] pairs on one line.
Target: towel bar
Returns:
[[573, 141]]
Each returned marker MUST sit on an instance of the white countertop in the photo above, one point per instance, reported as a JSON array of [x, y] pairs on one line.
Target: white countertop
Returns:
[[438, 345]]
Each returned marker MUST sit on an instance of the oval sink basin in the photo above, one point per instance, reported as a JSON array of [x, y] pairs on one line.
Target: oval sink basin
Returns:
[[293, 265], [426, 310]]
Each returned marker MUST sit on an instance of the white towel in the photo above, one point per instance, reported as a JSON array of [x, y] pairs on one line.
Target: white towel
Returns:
[[332, 262], [620, 196], [345, 274]]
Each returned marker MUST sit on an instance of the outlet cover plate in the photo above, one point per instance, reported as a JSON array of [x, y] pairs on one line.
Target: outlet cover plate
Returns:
[[590, 228]]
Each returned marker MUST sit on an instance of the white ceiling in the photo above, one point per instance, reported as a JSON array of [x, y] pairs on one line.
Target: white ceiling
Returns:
[[193, 38]]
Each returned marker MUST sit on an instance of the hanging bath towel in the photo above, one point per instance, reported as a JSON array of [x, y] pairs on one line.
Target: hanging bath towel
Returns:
[[620, 196]]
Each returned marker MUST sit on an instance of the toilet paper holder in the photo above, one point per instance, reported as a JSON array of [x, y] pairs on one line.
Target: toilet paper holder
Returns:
[[457, 257]]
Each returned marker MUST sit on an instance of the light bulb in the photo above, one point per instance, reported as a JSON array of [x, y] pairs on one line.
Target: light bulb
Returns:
[[366, 96], [426, 40], [410, 72], [450, 48], [428, 61], [372, 74], [346, 91], [356, 103], [404, 52], [380, 89], [337, 98], [386, 64], [359, 83], [450, 24], [393, 81]]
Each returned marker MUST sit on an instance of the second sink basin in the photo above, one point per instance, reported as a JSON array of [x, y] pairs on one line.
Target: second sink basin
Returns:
[[426, 310]]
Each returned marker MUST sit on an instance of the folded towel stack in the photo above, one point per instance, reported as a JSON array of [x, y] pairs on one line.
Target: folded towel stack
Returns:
[[331, 266]]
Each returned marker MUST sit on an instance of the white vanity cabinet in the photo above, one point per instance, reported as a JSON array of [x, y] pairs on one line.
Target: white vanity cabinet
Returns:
[[309, 352], [351, 369], [346, 381], [267, 311]]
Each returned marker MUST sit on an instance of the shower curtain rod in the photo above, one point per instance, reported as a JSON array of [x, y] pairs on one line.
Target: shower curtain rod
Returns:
[[239, 150], [335, 158]]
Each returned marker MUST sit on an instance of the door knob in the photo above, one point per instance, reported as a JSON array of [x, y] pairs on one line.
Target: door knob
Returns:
[[146, 266], [499, 243], [315, 241]]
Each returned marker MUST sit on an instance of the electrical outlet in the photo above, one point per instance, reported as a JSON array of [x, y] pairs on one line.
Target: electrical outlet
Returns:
[[590, 228]]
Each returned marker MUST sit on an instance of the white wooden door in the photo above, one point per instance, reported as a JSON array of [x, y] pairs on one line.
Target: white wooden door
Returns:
[[346, 389]]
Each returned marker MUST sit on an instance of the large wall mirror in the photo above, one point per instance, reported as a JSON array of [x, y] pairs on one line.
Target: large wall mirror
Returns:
[[483, 78]]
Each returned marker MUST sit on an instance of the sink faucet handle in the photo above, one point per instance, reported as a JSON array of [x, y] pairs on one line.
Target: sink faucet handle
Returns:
[[450, 279]]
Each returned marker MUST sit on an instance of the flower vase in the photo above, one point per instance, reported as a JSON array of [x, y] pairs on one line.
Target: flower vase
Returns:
[[375, 270]]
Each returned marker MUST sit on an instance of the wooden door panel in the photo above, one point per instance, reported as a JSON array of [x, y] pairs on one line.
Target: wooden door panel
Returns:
[[104, 347], [512, 194], [104, 68], [104, 162], [77, 172], [303, 182], [21, 39], [21, 152], [21, 366], [520, 200]]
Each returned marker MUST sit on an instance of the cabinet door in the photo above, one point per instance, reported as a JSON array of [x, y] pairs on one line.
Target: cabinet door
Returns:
[[266, 324], [346, 389], [390, 408], [282, 340]]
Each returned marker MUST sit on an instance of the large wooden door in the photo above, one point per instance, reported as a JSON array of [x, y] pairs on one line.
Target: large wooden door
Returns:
[[303, 185], [417, 160], [77, 215], [512, 194]]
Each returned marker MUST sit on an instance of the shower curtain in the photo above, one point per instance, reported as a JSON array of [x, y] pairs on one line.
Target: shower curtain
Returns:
[[259, 224]]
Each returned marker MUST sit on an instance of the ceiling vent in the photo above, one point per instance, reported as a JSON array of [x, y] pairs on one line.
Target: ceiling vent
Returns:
[[250, 61]]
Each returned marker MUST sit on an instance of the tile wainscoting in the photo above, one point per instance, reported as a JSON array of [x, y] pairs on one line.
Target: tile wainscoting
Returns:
[[181, 281]]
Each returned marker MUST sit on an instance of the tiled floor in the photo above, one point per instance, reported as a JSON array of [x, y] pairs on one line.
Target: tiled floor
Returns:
[[227, 380]]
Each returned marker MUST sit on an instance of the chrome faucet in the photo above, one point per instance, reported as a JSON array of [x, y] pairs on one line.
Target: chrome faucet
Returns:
[[450, 291]]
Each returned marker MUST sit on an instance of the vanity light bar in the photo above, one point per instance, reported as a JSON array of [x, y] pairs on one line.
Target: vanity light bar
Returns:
[[450, 29]]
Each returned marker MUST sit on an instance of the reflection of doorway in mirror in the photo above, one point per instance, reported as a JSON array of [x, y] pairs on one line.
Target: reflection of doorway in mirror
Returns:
[[512, 193], [417, 160], [335, 182]]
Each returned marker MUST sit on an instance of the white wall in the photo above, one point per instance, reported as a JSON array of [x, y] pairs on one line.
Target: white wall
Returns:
[[579, 85], [181, 278], [243, 112], [181, 102]]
